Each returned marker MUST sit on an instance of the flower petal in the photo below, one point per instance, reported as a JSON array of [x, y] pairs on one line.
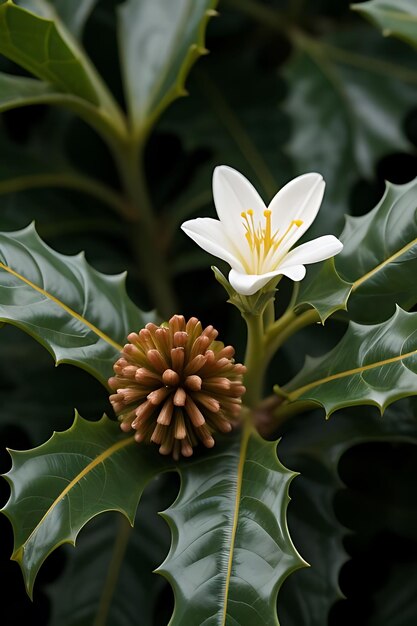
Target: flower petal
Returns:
[[313, 251], [210, 235], [248, 284], [233, 194], [300, 199]]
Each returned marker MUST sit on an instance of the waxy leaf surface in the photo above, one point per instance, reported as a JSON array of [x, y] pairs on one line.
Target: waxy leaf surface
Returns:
[[315, 446], [379, 256], [377, 267], [394, 17], [80, 315], [372, 364], [230, 550], [73, 15], [110, 574], [159, 41], [324, 290], [41, 43], [43, 48], [59, 486]]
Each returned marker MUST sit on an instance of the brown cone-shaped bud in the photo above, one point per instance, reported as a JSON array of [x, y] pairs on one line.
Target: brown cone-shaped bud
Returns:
[[176, 385]]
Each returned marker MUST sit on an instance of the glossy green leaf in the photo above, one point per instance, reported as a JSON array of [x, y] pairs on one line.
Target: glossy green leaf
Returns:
[[47, 49], [159, 42], [59, 486], [348, 97], [394, 17], [42, 48], [379, 256], [80, 315], [372, 364], [109, 577], [230, 550], [377, 266], [324, 290], [315, 447], [74, 15], [16, 91]]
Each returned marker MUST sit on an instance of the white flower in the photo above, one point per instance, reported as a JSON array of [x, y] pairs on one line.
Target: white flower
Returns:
[[255, 240]]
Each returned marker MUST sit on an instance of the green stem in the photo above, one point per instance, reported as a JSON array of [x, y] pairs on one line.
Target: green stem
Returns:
[[269, 315], [67, 180], [285, 327], [143, 231], [254, 359]]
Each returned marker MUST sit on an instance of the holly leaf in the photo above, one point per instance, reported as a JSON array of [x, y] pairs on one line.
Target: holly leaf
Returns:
[[230, 550], [74, 16], [377, 265], [315, 447], [379, 256], [159, 42], [46, 49], [324, 290], [80, 315], [394, 17], [110, 574], [348, 97], [372, 364], [77, 474]]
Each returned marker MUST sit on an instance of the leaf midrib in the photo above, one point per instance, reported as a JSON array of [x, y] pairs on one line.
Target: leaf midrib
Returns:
[[357, 370], [381, 265], [236, 510], [63, 306], [18, 554]]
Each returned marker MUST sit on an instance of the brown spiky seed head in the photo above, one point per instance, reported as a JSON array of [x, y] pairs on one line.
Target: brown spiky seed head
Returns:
[[176, 385]]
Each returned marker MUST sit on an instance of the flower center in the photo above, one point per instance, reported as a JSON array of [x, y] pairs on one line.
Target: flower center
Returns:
[[263, 243]]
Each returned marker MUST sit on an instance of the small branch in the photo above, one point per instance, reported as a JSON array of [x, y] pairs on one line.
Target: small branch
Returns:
[[254, 359], [285, 327], [274, 412], [145, 239], [74, 181]]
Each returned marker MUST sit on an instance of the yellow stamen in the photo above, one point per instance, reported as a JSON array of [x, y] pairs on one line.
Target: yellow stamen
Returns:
[[296, 223], [261, 239]]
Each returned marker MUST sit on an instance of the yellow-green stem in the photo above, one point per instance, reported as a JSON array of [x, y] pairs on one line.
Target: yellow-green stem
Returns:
[[285, 327], [254, 359]]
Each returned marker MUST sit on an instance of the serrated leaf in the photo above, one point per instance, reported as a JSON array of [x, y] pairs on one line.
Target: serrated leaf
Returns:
[[394, 17], [377, 266], [379, 256], [38, 45], [372, 364], [348, 97], [324, 289], [230, 550], [110, 574], [74, 15], [45, 48], [315, 447], [59, 486], [80, 315], [159, 42]]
